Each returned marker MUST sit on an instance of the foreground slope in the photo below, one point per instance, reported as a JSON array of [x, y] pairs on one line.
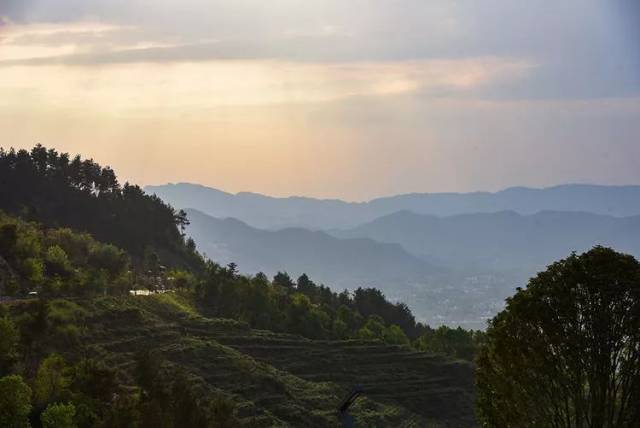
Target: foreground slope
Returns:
[[274, 379]]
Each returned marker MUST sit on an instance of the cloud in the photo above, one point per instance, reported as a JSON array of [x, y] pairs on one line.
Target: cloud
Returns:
[[143, 87], [449, 95], [582, 48], [22, 44]]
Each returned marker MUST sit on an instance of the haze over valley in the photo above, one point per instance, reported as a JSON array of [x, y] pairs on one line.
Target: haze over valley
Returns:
[[452, 257]]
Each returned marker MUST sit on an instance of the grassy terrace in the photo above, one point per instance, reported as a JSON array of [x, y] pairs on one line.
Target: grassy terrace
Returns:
[[273, 379]]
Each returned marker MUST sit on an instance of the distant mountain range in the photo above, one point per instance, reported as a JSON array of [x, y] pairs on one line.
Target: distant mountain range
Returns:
[[501, 241], [452, 257], [333, 261], [321, 214]]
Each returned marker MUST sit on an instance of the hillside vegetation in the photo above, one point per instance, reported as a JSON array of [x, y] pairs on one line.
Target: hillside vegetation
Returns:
[[212, 347], [159, 361], [58, 190]]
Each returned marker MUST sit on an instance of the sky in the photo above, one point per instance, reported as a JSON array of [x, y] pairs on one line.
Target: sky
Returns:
[[329, 98]]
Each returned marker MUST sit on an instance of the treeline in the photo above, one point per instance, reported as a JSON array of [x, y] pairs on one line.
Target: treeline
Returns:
[[60, 191], [60, 262], [316, 312]]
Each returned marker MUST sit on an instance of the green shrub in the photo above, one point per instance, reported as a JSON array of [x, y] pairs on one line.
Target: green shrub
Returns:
[[15, 402], [58, 416]]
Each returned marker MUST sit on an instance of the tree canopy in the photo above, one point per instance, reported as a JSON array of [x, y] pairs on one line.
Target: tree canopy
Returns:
[[56, 261], [58, 190], [566, 350], [58, 415], [15, 402]]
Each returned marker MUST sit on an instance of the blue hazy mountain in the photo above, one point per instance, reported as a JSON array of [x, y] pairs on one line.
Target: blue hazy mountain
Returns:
[[453, 270], [336, 262], [503, 240], [321, 214], [452, 257]]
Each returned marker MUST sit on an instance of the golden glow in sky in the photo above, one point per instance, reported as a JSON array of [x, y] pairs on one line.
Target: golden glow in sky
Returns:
[[314, 111]]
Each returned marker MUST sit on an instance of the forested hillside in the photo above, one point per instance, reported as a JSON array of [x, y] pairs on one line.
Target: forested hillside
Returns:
[[59, 190], [203, 345]]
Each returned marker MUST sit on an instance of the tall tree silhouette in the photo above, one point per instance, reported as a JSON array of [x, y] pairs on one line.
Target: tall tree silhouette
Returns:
[[566, 350]]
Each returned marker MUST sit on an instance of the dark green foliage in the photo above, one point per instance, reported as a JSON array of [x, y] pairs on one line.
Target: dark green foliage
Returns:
[[58, 261], [371, 301], [373, 328], [15, 402], [185, 371], [394, 335], [97, 394], [147, 370], [190, 407], [263, 371], [456, 342], [9, 337], [171, 398], [282, 279], [8, 238], [110, 259], [307, 309], [52, 380], [566, 350], [54, 189], [59, 415], [316, 312], [182, 280]]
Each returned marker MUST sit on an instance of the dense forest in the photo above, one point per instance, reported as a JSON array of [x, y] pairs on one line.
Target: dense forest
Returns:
[[56, 189], [72, 239]]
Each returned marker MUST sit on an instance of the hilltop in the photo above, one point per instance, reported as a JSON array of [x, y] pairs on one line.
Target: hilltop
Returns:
[[59, 190]]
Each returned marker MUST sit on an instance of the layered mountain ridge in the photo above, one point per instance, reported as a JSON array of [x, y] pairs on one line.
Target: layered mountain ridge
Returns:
[[452, 257], [268, 212]]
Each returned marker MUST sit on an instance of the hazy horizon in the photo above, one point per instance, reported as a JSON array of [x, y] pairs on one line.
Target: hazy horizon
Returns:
[[352, 100], [382, 196]]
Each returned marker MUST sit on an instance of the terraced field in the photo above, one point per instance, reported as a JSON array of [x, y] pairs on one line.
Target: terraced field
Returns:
[[430, 386], [283, 380]]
